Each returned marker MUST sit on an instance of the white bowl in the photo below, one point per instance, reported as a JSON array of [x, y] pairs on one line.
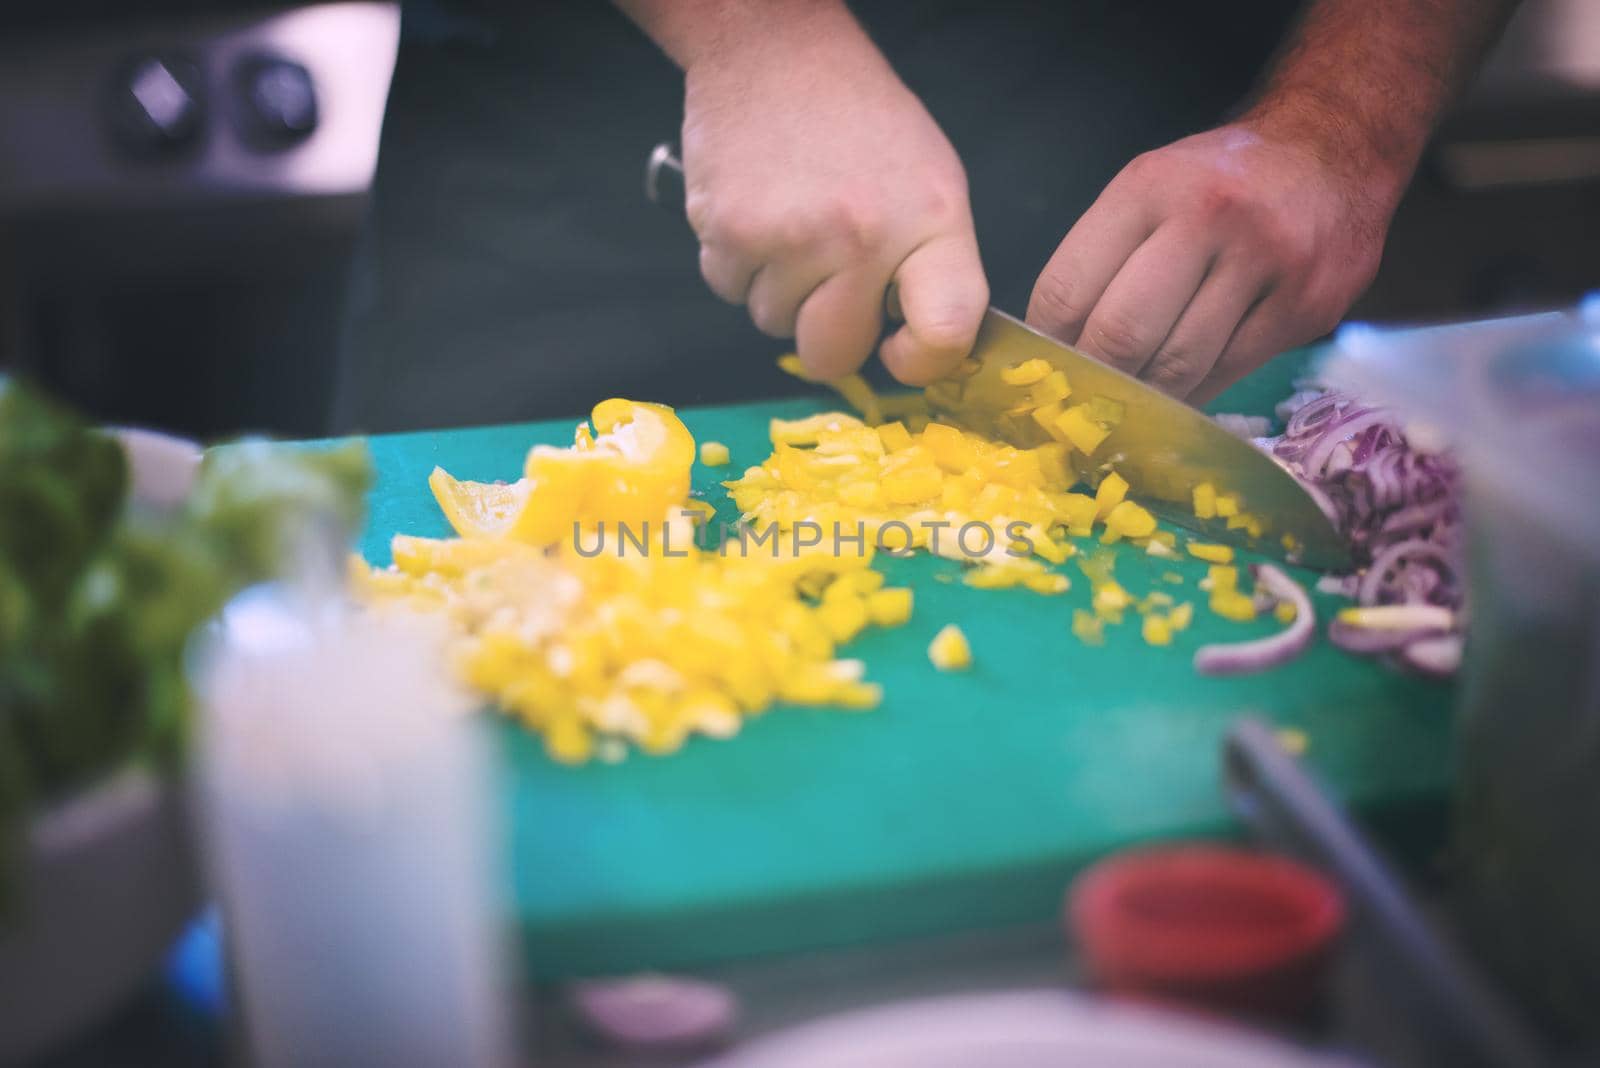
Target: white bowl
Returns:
[[106, 878]]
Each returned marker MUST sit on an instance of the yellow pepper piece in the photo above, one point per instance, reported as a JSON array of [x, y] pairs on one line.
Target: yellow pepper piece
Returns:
[[808, 430], [1231, 604], [1130, 520], [479, 509], [1227, 505], [895, 436], [890, 607], [1222, 577], [1205, 501], [635, 468], [1110, 493], [1025, 373], [1216, 554], [1110, 599], [1180, 617], [1284, 612], [1087, 628], [1076, 426], [1053, 465], [909, 487], [949, 650], [1156, 631], [1051, 389], [1294, 741], [713, 453]]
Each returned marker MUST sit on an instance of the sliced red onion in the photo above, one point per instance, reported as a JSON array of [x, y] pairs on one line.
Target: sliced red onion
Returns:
[[1241, 658], [657, 1012], [1379, 572], [1318, 455], [1370, 640], [1396, 503], [1438, 656]]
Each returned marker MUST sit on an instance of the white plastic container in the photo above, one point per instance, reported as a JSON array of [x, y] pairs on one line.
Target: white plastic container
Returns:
[[347, 798], [1518, 400]]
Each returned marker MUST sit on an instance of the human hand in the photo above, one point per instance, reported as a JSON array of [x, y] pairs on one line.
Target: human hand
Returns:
[[1204, 258], [814, 178]]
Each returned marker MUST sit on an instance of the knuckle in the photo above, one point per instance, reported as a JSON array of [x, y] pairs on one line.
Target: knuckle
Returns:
[[1119, 337], [1054, 305], [770, 319], [859, 225], [1174, 370]]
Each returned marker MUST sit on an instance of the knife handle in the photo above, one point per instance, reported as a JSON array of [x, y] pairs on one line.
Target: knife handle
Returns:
[[663, 185], [663, 177]]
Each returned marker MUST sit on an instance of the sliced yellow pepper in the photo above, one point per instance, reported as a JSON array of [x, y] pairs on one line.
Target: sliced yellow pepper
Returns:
[[1110, 493], [949, 650], [634, 469], [1216, 554], [1025, 373]]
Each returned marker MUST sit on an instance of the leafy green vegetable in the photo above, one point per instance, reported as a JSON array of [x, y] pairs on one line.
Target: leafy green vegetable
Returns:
[[98, 600]]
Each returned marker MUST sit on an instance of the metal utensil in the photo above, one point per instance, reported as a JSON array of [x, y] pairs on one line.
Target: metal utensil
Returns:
[[1466, 1020], [1163, 447]]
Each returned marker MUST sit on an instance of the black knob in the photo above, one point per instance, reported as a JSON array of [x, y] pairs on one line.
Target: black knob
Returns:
[[157, 105], [277, 101]]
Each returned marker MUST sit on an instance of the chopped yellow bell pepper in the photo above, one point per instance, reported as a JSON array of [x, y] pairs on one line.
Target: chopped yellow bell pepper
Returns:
[[1205, 501], [1231, 604], [713, 453], [894, 436], [1156, 630], [889, 607], [1130, 520], [949, 650], [635, 468], [1076, 425], [1051, 389], [1217, 554], [1025, 373], [1110, 493]]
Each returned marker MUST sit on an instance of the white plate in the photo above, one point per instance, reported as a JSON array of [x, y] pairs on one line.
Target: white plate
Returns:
[[1018, 1029]]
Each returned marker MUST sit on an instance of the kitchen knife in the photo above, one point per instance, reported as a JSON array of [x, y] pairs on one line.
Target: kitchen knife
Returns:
[[1163, 447]]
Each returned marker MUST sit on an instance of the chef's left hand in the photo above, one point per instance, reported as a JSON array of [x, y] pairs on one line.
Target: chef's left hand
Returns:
[[1204, 258]]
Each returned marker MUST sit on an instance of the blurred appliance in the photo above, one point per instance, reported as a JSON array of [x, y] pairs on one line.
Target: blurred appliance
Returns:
[[180, 199]]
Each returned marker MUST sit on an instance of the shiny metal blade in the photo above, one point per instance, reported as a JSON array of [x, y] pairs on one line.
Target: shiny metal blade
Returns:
[[1163, 447]]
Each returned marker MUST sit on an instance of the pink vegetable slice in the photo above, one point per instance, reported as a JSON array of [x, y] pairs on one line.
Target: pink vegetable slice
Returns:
[[657, 1011], [1243, 658]]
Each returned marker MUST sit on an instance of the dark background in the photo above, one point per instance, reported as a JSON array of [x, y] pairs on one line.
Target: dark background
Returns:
[[506, 265]]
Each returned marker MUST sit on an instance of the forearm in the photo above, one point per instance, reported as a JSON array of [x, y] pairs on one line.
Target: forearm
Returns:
[[1364, 81], [692, 31]]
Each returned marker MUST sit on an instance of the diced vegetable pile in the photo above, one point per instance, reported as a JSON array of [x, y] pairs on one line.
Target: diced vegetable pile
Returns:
[[584, 604]]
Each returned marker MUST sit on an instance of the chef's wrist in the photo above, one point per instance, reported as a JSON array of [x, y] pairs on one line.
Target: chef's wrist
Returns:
[[1377, 154], [708, 36]]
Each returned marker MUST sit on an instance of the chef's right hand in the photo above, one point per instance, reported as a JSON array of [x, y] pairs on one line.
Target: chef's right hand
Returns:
[[814, 178]]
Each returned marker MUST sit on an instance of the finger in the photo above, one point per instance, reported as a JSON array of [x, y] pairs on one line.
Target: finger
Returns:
[[1086, 261], [1263, 333], [776, 293], [1195, 343], [1143, 302], [839, 324], [729, 275], [942, 294]]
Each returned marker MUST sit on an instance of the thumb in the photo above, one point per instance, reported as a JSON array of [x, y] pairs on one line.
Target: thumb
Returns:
[[943, 294]]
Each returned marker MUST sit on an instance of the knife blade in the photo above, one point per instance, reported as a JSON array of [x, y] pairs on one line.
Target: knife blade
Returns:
[[1163, 447]]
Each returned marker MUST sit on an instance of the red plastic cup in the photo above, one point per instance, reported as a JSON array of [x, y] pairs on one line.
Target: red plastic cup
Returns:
[[1217, 928]]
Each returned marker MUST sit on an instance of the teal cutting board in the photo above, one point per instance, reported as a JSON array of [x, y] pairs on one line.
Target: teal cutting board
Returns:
[[965, 800]]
